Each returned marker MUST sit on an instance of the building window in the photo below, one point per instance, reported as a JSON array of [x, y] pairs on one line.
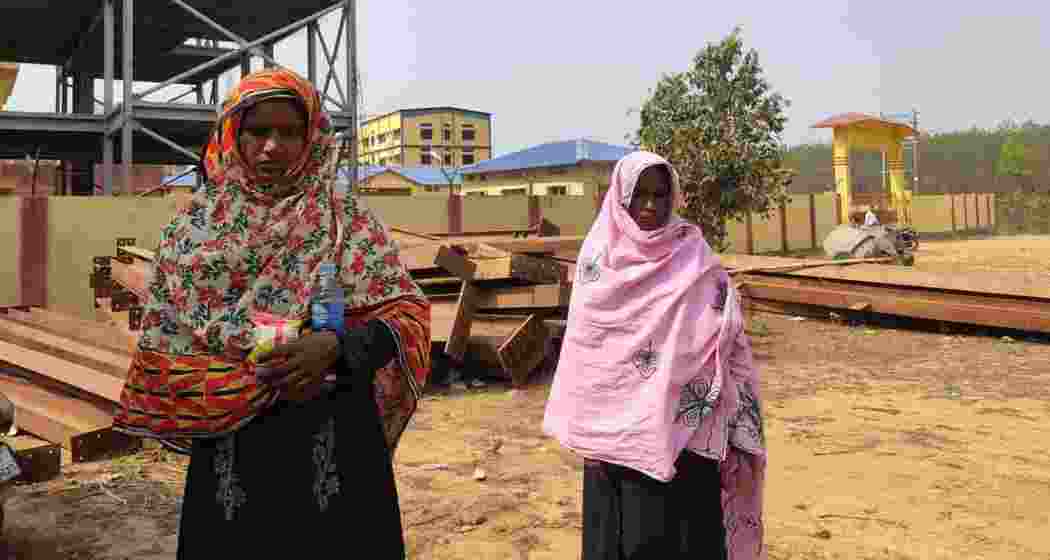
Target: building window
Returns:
[[558, 190], [425, 159], [448, 159], [396, 134], [468, 156], [426, 131], [513, 192], [446, 134], [468, 133]]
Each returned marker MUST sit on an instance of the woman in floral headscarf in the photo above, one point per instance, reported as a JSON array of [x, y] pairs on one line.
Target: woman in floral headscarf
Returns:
[[301, 474], [655, 386]]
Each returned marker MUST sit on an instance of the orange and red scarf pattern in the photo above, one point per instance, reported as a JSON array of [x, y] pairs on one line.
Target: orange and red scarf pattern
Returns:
[[238, 249]]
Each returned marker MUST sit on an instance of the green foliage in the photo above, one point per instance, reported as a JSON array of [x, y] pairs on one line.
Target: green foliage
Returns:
[[1013, 160], [719, 123]]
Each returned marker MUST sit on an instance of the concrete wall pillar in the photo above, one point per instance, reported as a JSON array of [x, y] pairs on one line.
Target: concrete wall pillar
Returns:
[[31, 237]]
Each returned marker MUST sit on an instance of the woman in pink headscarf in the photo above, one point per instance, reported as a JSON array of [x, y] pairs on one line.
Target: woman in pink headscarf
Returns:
[[656, 386]]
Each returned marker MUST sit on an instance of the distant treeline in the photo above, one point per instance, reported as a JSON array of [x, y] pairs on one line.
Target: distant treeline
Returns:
[[964, 161]]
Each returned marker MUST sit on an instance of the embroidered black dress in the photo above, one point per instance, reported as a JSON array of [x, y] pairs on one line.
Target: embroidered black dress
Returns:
[[308, 480]]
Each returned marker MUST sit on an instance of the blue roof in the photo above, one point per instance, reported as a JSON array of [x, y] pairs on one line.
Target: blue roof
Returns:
[[432, 176], [187, 180], [553, 154]]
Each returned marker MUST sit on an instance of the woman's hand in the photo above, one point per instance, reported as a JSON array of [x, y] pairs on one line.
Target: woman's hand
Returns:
[[299, 366]]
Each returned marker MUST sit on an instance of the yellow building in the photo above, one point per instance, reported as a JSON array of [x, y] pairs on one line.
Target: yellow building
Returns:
[[8, 74], [432, 136], [405, 181], [570, 168]]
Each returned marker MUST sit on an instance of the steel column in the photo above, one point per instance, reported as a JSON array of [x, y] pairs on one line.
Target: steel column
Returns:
[[269, 61], [108, 50], [311, 53], [128, 131], [350, 14]]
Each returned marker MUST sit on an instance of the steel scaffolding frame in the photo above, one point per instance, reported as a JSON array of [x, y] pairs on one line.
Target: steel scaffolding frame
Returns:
[[122, 122]]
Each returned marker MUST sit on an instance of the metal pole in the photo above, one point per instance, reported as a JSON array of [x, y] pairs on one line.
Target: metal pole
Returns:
[[311, 53], [65, 92], [192, 156], [128, 75], [58, 89], [351, 77], [108, 50], [269, 61]]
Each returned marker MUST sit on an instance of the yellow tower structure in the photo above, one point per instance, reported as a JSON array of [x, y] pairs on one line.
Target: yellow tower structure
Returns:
[[862, 132]]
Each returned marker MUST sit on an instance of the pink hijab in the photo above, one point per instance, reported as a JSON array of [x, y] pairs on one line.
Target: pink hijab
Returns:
[[655, 359]]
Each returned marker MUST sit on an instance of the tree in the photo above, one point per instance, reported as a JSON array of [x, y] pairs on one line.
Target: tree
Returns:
[[720, 124], [1013, 156]]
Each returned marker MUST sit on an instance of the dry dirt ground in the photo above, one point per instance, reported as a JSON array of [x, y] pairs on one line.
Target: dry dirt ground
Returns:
[[1022, 253], [884, 443]]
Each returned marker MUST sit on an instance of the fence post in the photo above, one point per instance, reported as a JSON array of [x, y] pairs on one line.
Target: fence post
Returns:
[[976, 212], [991, 203], [783, 228], [966, 214], [535, 211], [813, 219], [455, 214], [32, 250], [750, 234], [951, 199]]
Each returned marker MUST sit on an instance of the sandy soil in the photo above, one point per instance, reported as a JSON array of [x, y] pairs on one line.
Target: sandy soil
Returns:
[[884, 443], [1022, 253]]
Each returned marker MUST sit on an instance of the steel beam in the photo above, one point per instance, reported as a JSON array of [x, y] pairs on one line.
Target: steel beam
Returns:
[[192, 156], [268, 57], [50, 122], [311, 53], [108, 48], [181, 95], [93, 333], [128, 75], [915, 302], [273, 35], [351, 85], [31, 338], [80, 427], [39, 459], [181, 112]]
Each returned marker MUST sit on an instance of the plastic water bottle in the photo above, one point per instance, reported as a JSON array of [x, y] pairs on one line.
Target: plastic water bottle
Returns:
[[329, 298]]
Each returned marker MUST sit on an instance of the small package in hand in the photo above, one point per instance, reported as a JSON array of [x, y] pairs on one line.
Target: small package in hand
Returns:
[[272, 331]]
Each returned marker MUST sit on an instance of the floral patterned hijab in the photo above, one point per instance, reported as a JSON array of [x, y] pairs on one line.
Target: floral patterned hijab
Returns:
[[240, 248]]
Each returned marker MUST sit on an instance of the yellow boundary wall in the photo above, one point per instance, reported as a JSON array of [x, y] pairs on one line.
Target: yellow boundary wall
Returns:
[[80, 228]]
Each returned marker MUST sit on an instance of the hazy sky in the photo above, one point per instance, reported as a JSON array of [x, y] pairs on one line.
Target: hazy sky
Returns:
[[561, 69]]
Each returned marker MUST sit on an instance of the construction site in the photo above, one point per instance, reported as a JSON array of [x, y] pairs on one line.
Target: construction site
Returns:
[[901, 396]]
